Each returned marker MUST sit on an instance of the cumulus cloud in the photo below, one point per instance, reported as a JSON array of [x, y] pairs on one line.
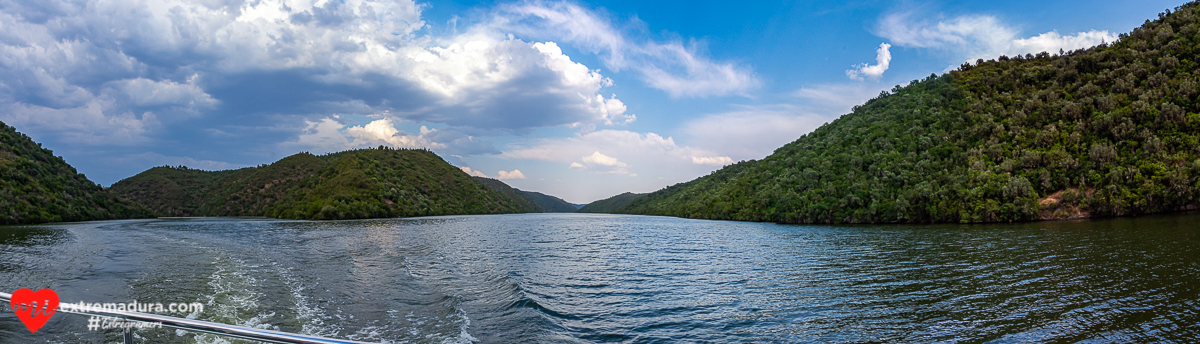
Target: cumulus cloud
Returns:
[[257, 63], [384, 132], [475, 173], [980, 36], [515, 174], [601, 159], [669, 66], [883, 57]]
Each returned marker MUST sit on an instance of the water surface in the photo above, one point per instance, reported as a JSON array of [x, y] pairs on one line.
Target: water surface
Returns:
[[609, 278]]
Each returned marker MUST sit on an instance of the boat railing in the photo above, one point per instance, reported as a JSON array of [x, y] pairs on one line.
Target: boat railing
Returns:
[[241, 332]]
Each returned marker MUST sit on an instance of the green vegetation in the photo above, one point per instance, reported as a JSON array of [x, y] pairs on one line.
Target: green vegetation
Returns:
[[527, 205], [1106, 131], [530, 201], [611, 204], [36, 186], [549, 204], [367, 183]]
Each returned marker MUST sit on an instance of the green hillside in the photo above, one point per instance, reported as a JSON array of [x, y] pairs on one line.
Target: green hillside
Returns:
[[36, 186], [527, 205], [1106, 131], [549, 204], [531, 201], [367, 183], [611, 204]]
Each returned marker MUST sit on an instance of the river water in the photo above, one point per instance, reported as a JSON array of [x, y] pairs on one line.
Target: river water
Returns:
[[609, 278]]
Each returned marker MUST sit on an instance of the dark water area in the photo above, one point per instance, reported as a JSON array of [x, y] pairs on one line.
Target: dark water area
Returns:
[[576, 278]]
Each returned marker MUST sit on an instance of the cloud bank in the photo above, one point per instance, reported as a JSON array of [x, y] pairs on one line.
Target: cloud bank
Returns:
[[979, 36], [129, 73]]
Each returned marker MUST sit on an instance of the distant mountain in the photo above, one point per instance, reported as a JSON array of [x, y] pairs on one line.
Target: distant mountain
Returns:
[[611, 204], [36, 186], [531, 201], [550, 204], [1106, 131], [365, 183]]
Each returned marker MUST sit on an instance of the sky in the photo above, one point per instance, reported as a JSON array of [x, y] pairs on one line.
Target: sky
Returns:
[[580, 100]]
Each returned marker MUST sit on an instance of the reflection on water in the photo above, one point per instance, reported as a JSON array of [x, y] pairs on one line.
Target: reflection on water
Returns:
[[607, 278]]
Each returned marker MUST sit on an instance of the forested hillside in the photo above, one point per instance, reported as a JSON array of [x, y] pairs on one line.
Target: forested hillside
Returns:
[[531, 201], [36, 186], [527, 205], [366, 183], [611, 204], [549, 204], [1106, 131]]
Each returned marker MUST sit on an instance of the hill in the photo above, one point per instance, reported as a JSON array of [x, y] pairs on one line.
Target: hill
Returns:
[[611, 204], [366, 183], [527, 205], [531, 201], [36, 186], [1105, 131], [550, 204]]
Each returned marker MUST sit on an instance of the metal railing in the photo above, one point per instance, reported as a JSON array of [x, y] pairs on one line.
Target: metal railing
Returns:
[[241, 332]]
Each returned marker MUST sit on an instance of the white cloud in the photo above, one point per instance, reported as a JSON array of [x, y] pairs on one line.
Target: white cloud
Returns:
[[712, 161], [883, 57], [384, 132], [515, 174], [601, 159], [669, 66], [471, 172], [980, 36], [577, 165], [1052, 41]]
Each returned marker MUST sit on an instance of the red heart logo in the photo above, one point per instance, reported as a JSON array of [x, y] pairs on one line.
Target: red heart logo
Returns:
[[34, 308]]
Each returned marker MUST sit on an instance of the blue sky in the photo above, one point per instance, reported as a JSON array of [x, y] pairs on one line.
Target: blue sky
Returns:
[[581, 100]]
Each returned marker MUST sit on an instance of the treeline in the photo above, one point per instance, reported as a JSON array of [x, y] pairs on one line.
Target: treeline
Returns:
[[1105, 131]]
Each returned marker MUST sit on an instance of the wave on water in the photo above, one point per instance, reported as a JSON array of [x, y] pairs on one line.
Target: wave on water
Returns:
[[234, 298]]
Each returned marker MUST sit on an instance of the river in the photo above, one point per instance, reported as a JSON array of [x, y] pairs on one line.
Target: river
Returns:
[[586, 278]]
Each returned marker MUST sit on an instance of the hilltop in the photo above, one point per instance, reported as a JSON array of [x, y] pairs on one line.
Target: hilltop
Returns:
[[37, 186], [1105, 131], [365, 183]]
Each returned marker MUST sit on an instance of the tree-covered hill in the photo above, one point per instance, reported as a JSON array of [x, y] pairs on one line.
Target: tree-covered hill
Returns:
[[527, 205], [531, 201], [1107, 131], [36, 186], [366, 183], [549, 204], [611, 204]]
